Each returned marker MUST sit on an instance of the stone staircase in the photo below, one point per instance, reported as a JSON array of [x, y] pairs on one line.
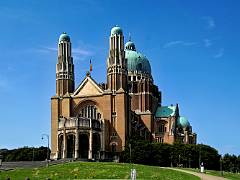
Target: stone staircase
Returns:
[[35, 164]]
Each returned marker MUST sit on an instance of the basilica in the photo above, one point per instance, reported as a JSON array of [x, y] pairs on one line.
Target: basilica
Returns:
[[94, 120]]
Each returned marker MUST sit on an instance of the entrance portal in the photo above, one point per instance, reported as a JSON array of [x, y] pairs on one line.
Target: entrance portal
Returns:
[[83, 146], [60, 146], [96, 146], [70, 146]]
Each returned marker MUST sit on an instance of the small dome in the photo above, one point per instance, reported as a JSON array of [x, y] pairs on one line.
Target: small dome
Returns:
[[130, 46], [116, 30], [135, 60], [183, 122], [64, 37]]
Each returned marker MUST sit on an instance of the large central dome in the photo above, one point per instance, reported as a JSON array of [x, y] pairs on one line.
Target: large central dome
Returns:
[[136, 61]]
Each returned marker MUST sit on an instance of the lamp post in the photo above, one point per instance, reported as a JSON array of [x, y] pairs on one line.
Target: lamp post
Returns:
[[130, 151], [171, 160], [48, 145], [33, 154], [179, 160], [199, 160], [221, 168], [133, 171], [1, 160], [189, 160]]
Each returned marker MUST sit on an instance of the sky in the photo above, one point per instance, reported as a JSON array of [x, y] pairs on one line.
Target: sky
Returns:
[[192, 46]]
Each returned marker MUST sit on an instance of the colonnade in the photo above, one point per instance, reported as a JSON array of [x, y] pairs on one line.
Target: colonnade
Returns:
[[75, 137]]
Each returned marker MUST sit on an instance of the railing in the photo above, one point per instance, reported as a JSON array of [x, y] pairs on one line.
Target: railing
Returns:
[[80, 122]]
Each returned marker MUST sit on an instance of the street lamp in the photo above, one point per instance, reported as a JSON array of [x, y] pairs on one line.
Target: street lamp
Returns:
[[221, 166], [130, 151], [33, 154], [133, 171], [1, 160], [199, 157], [189, 160], [48, 145], [179, 160]]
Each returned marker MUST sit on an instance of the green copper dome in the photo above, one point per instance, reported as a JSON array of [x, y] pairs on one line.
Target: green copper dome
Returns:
[[183, 122], [135, 60], [165, 111], [116, 30], [130, 46], [64, 37]]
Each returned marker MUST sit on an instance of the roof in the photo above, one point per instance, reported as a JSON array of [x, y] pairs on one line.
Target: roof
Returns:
[[88, 87], [183, 122], [130, 46], [116, 31], [64, 37], [165, 111], [137, 61]]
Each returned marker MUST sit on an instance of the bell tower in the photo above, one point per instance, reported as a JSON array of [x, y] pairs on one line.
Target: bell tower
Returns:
[[117, 85], [116, 62], [64, 67]]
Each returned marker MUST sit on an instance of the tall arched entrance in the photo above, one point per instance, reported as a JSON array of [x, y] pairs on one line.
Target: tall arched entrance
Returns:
[[83, 146], [60, 146], [70, 145], [96, 145]]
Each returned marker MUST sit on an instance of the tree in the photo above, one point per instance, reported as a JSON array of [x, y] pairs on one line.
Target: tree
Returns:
[[178, 154], [25, 154]]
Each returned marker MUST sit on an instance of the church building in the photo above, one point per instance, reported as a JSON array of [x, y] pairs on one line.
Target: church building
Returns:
[[94, 120]]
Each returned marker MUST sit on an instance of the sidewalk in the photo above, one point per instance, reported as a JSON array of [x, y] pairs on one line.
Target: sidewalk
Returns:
[[201, 175]]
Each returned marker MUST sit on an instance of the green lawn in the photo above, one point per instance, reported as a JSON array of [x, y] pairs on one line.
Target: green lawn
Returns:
[[95, 170], [228, 175]]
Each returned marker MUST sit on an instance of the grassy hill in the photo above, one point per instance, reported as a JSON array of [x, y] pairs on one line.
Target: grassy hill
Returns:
[[95, 170]]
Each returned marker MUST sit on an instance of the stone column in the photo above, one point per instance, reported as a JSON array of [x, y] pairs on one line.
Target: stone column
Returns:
[[57, 155], [186, 141], [90, 123], [101, 139], [102, 147], [90, 145], [64, 144], [103, 135], [77, 145]]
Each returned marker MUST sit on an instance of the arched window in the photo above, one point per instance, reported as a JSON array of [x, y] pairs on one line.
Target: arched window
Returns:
[[162, 128], [134, 78], [90, 111]]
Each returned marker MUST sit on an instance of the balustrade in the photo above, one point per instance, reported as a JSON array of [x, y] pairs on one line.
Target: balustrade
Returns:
[[79, 122]]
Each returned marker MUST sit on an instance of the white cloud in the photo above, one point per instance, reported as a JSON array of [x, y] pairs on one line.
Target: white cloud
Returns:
[[42, 50], [207, 43], [81, 51], [178, 43], [50, 49], [78, 53], [210, 22], [219, 54]]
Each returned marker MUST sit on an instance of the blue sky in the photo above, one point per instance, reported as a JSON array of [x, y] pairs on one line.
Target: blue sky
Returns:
[[193, 48]]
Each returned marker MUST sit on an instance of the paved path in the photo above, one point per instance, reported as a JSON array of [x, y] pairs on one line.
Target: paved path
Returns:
[[201, 175]]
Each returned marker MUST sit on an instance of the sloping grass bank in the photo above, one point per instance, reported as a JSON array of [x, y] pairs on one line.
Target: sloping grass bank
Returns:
[[95, 170]]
